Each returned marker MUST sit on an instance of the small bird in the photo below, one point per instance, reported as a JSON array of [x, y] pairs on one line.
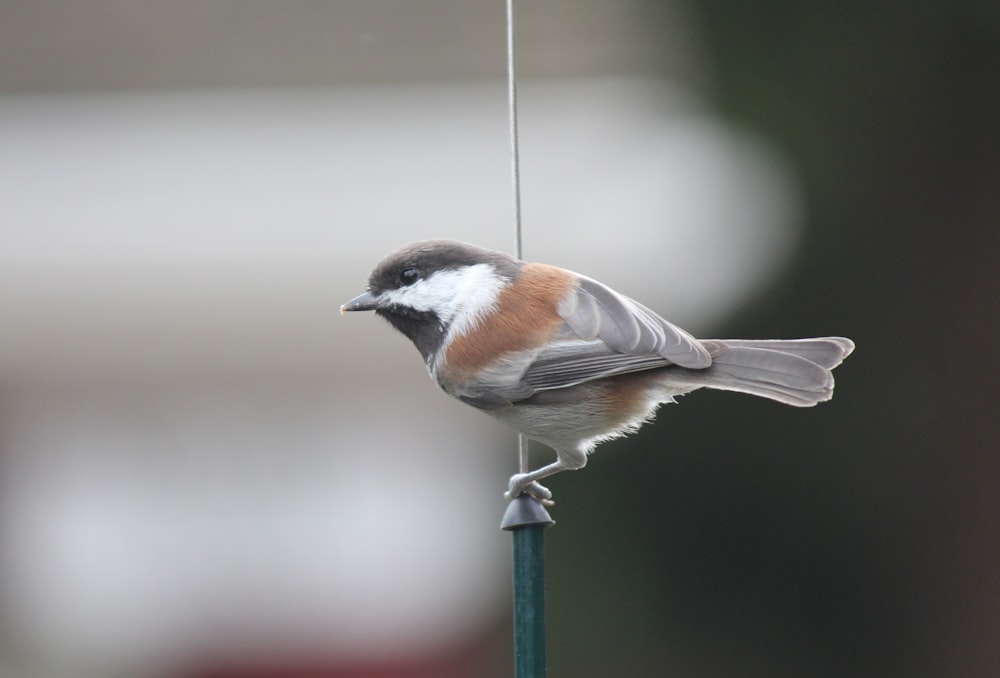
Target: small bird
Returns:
[[564, 359]]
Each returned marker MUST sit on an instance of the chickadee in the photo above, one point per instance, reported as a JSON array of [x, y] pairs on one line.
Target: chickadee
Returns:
[[564, 359]]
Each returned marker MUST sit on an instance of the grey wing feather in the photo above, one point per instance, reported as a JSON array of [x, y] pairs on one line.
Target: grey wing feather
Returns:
[[626, 326], [611, 334], [554, 371]]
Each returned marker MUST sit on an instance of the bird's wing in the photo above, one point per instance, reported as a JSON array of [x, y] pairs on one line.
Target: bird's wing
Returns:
[[607, 334], [603, 334]]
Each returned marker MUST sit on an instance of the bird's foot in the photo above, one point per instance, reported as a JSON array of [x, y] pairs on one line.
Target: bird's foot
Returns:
[[521, 483]]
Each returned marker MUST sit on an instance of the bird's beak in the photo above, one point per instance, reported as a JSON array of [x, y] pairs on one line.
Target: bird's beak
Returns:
[[366, 301]]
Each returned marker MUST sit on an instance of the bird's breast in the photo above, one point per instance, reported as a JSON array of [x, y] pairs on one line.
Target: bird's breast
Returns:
[[523, 319]]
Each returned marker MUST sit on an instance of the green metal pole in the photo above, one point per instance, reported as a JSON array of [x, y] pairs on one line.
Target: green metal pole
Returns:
[[527, 519], [529, 602]]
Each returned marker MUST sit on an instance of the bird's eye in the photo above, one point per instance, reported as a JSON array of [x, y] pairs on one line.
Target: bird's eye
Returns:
[[408, 276]]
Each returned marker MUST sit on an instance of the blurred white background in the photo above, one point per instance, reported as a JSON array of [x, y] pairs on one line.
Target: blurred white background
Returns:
[[202, 464]]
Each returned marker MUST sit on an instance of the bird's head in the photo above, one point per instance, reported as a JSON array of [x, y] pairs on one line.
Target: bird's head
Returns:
[[434, 289]]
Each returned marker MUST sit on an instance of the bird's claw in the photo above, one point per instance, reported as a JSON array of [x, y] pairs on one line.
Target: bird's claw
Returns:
[[520, 484]]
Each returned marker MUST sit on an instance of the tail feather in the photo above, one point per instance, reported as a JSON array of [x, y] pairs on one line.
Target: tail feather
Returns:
[[794, 371], [826, 352]]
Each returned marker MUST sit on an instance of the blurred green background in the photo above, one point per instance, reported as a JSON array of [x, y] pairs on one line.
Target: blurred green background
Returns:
[[862, 538]]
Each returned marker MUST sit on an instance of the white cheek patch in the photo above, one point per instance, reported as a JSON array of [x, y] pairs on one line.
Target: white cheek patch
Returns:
[[460, 297]]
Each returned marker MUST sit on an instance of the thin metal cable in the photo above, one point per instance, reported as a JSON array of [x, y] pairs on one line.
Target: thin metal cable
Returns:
[[515, 163], [515, 170]]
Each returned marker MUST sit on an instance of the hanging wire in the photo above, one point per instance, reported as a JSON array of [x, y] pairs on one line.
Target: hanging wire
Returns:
[[515, 162], [523, 463]]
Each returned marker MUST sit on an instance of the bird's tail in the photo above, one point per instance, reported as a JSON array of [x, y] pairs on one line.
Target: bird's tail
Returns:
[[792, 371]]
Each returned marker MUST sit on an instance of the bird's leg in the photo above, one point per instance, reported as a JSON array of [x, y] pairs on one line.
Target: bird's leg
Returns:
[[527, 483]]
